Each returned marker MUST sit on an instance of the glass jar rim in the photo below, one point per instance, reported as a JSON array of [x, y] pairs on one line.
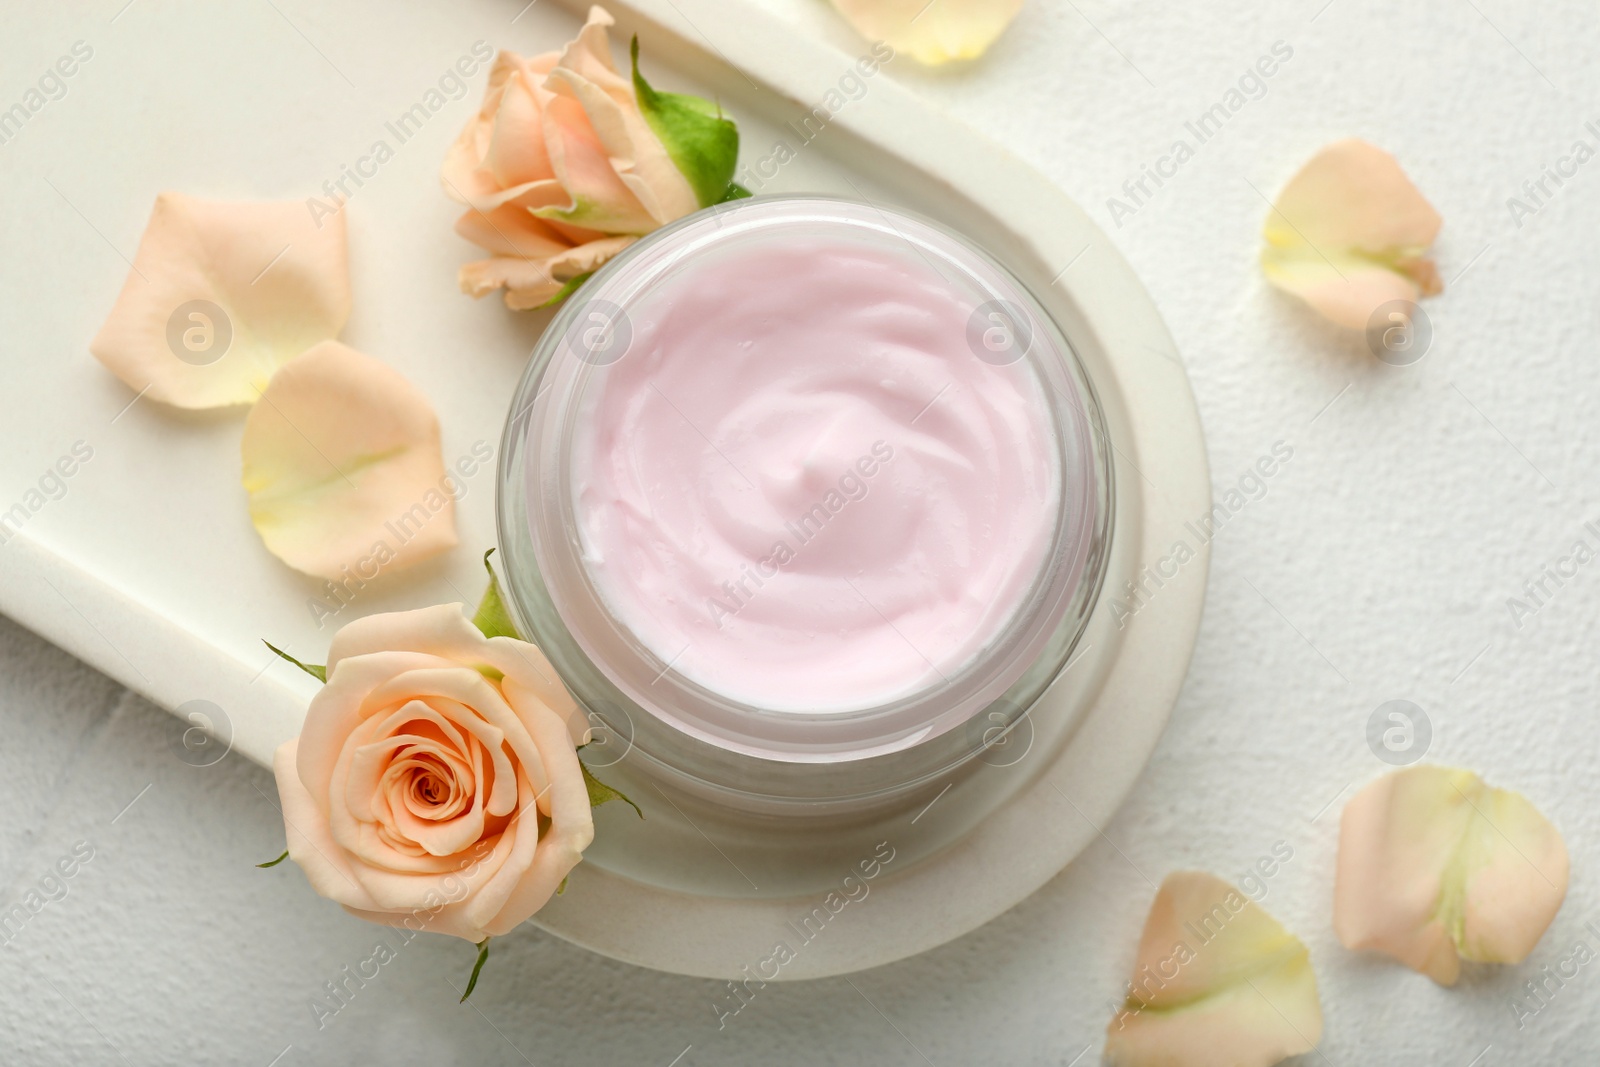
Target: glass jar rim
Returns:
[[617, 677]]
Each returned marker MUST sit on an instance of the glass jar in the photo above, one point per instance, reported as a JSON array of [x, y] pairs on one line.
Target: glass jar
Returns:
[[682, 726]]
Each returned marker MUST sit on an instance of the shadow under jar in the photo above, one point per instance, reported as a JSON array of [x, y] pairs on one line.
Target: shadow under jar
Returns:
[[807, 500]]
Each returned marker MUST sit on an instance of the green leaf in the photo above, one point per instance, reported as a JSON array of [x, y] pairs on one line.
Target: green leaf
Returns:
[[274, 863], [316, 670], [492, 617], [599, 792], [569, 287], [472, 983], [702, 144], [735, 191]]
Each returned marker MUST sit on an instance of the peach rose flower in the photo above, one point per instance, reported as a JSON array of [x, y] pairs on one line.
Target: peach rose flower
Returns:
[[435, 784], [568, 162]]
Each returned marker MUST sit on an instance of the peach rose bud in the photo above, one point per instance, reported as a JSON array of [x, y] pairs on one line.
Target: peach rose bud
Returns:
[[1350, 233], [569, 161], [220, 296], [931, 33], [435, 785], [1217, 983], [1436, 867], [343, 468]]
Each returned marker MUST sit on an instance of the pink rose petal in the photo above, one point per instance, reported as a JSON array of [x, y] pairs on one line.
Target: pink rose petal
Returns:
[[1217, 983], [1436, 867], [221, 295], [1350, 233], [343, 469]]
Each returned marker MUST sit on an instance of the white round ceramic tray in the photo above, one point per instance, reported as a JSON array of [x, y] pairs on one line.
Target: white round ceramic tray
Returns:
[[173, 600]]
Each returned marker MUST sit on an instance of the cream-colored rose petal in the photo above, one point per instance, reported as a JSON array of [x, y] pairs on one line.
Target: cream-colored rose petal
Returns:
[[223, 294], [343, 469], [1217, 983], [1349, 233], [1436, 867], [931, 33]]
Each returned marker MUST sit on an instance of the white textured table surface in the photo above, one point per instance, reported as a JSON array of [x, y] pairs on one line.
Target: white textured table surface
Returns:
[[1376, 565]]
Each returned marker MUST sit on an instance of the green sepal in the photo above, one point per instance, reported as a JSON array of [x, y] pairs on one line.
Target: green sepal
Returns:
[[274, 863], [472, 983], [316, 670], [702, 144], [599, 792], [568, 289], [735, 191], [492, 618]]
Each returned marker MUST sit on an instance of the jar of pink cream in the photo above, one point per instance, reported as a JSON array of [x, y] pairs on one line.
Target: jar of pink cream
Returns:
[[808, 502]]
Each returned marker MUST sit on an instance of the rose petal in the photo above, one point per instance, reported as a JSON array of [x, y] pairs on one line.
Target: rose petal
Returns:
[[221, 295], [640, 160], [343, 469], [337, 709], [490, 149], [476, 706], [464, 174], [407, 844], [561, 847], [615, 170], [378, 767], [367, 768], [531, 690], [931, 33], [530, 283], [597, 197], [395, 875], [516, 154], [1217, 983], [457, 879], [439, 632], [1350, 232], [372, 846], [444, 633], [511, 230], [1436, 867], [440, 904], [327, 867]]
